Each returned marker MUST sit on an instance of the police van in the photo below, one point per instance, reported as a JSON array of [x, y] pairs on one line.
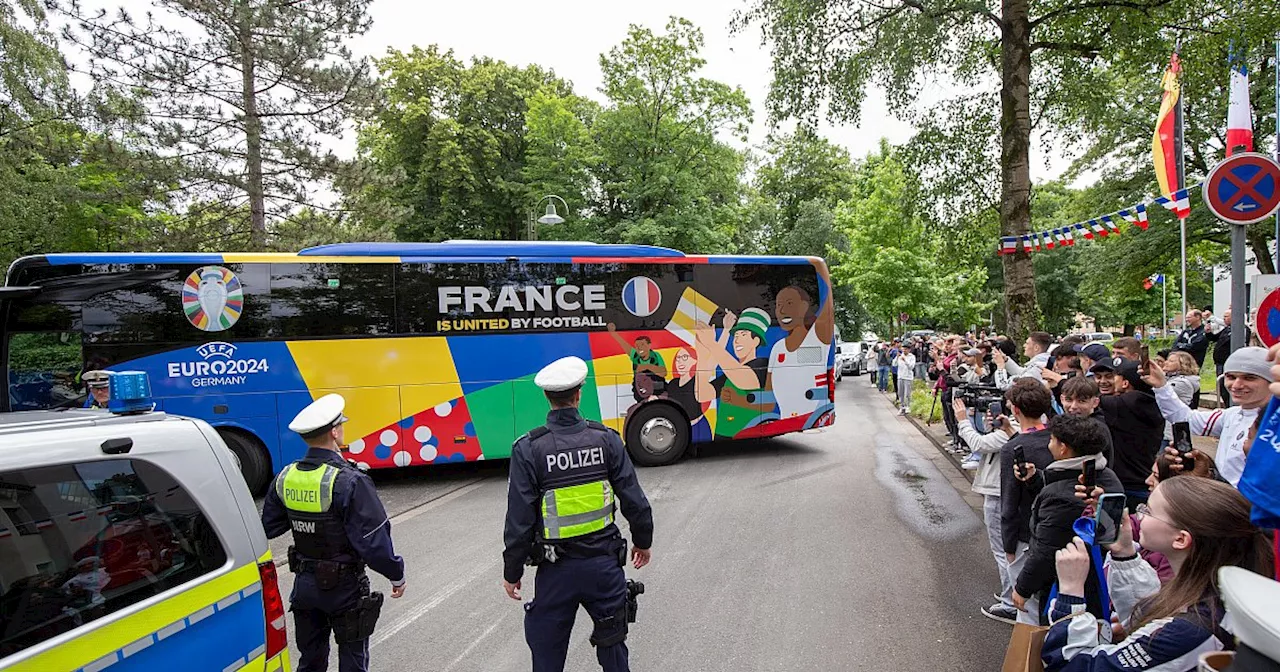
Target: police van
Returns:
[[129, 541]]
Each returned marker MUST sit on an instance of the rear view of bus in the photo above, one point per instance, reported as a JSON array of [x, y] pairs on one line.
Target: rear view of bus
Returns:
[[434, 345]]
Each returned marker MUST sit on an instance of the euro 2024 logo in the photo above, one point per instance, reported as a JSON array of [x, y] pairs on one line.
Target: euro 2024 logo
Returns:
[[212, 298]]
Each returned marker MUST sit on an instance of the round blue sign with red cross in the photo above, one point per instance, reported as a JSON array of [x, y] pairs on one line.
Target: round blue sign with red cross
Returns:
[[1243, 189], [1267, 321]]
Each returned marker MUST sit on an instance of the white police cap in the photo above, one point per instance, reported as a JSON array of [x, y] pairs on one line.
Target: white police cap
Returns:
[[562, 375], [1253, 609], [97, 378], [320, 416]]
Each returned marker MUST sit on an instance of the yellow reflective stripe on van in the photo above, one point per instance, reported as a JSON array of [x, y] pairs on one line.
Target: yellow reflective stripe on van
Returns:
[[104, 640]]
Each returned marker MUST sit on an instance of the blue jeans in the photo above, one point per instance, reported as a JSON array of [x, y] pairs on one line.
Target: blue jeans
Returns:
[[882, 378]]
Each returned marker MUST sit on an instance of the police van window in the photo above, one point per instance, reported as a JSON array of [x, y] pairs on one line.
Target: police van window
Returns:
[[45, 370], [332, 300], [81, 541]]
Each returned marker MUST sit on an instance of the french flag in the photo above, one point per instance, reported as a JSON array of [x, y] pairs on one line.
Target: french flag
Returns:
[[5, 533], [104, 510], [641, 296], [44, 524], [1008, 245], [1239, 117], [77, 516], [1088, 232]]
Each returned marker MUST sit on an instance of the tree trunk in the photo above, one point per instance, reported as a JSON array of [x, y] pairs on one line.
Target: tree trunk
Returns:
[[1015, 165], [253, 133], [1262, 248]]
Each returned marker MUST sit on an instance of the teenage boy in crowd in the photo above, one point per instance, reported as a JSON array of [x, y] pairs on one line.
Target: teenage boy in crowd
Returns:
[[1073, 441], [1137, 427], [1029, 401]]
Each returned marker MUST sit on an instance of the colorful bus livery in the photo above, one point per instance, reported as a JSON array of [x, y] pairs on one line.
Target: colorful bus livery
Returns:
[[434, 345]]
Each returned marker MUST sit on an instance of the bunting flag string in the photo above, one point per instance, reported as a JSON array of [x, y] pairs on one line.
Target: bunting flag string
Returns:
[[1179, 202]]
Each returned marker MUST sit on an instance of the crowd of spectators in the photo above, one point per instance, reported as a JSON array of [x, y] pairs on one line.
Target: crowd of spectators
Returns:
[[1049, 433]]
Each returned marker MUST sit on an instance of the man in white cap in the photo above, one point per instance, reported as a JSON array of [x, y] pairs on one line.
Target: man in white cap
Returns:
[[560, 506], [1253, 615], [1248, 377], [339, 526], [99, 384]]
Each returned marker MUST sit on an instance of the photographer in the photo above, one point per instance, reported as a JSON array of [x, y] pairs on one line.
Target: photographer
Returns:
[[986, 482], [1037, 350], [1247, 375], [974, 370], [1029, 401]]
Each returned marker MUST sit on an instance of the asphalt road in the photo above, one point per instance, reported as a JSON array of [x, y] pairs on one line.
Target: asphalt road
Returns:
[[837, 549]]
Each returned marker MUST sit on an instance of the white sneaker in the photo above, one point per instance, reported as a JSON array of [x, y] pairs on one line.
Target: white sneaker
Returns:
[[969, 465]]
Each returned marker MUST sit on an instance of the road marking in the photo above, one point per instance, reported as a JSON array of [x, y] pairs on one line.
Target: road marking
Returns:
[[471, 647], [435, 601]]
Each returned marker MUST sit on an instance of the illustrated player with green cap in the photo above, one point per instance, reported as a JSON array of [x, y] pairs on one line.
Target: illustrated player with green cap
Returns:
[[741, 385]]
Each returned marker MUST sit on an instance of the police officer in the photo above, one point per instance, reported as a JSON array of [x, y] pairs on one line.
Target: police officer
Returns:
[[339, 526], [99, 384], [1253, 610], [564, 479]]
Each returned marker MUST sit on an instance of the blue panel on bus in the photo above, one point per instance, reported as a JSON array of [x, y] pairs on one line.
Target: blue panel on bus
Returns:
[[483, 361], [133, 258], [218, 368], [480, 260], [781, 261], [491, 248]]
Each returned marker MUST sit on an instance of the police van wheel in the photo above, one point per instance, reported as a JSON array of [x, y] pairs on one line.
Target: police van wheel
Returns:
[[251, 458], [657, 434]]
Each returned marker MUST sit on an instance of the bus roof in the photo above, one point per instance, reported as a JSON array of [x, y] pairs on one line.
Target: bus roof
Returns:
[[453, 251]]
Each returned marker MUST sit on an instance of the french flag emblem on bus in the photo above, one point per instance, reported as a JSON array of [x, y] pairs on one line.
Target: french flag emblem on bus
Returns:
[[641, 296]]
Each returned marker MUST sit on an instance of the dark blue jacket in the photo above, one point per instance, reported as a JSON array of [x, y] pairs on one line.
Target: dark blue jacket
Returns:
[[355, 500], [524, 494]]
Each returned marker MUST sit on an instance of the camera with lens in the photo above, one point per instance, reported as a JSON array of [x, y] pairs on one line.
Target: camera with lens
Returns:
[[979, 397]]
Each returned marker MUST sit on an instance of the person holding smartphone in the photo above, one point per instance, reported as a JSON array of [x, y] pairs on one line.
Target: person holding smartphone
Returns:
[[1201, 526], [1076, 444], [1029, 400]]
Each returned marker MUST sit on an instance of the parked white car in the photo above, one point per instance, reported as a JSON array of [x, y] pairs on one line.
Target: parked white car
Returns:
[[851, 358]]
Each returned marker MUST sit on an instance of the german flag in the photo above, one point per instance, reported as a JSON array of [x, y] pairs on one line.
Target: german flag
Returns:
[[1166, 142]]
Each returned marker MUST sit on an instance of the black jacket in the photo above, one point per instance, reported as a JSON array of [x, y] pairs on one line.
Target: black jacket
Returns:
[[1015, 496], [1101, 418], [1053, 514], [1193, 341], [1137, 427], [1221, 345]]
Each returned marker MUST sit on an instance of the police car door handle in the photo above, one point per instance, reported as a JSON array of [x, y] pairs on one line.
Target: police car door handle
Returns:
[[117, 446]]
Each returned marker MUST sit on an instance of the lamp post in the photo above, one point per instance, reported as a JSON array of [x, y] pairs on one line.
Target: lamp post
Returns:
[[551, 217]]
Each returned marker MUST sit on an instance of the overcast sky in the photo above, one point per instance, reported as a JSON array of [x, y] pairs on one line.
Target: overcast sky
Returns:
[[568, 36]]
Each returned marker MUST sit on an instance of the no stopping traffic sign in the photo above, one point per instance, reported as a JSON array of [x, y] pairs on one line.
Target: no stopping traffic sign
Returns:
[[1244, 188]]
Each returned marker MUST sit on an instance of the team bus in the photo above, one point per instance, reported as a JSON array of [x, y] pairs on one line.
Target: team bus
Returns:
[[434, 345]]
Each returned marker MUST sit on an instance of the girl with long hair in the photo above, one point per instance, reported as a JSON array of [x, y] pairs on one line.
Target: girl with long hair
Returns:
[[1200, 525]]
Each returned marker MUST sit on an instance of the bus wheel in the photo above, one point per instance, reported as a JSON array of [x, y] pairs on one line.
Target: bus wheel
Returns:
[[657, 434], [251, 457]]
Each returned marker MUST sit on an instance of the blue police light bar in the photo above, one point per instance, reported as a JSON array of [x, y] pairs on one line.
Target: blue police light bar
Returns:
[[130, 393]]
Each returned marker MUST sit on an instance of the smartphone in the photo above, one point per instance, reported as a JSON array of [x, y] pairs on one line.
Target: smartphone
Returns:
[[1145, 355], [1182, 444], [1090, 476], [997, 410], [1019, 459], [1108, 517]]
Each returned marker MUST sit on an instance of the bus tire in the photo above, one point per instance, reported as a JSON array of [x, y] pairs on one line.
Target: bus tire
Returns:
[[251, 455], [657, 434]]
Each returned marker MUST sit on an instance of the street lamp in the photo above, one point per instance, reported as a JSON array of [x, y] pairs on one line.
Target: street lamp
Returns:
[[551, 217]]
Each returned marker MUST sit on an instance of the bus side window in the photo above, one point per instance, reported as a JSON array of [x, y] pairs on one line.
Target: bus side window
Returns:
[[44, 370], [326, 300]]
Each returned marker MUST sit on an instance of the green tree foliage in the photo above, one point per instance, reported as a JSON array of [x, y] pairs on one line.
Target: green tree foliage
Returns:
[[1055, 63], [62, 187], [452, 141], [892, 264], [804, 167], [242, 91], [664, 175]]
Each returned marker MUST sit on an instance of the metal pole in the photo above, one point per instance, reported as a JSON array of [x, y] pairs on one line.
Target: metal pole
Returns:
[[1275, 65], [1164, 287], [1238, 306]]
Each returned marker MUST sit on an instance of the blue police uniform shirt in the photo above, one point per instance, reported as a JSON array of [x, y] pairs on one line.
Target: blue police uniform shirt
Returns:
[[524, 496], [355, 500]]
